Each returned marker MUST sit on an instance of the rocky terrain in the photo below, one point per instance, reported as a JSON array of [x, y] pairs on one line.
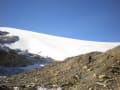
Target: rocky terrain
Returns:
[[11, 58], [75, 73]]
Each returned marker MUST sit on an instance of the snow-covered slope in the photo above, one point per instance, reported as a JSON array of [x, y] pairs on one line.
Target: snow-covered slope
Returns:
[[55, 47]]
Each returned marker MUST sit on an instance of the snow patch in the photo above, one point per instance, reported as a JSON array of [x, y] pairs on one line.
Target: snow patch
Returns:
[[55, 47]]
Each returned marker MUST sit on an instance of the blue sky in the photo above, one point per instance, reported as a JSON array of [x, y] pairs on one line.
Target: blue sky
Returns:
[[97, 20]]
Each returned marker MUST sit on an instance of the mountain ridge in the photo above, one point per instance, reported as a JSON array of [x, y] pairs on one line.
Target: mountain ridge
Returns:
[[55, 47]]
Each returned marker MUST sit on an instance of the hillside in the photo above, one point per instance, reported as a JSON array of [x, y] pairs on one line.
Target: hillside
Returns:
[[75, 73], [11, 58]]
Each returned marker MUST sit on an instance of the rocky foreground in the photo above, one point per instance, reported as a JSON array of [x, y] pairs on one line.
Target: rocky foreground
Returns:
[[75, 73]]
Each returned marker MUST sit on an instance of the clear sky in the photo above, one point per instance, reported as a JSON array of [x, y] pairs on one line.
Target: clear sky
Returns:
[[97, 20]]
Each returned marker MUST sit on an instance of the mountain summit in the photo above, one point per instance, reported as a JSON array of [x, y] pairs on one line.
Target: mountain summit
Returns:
[[55, 47]]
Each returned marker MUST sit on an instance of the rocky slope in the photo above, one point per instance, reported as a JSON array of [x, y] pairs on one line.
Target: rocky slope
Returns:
[[11, 58], [75, 73]]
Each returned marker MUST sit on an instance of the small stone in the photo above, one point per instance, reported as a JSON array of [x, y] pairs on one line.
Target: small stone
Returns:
[[101, 84], [94, 75], [54, 85], [101, 76], [90, 88], [15, 88], [90, 69], [59, 88], [85, 67], [30, 85]]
